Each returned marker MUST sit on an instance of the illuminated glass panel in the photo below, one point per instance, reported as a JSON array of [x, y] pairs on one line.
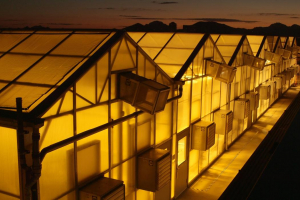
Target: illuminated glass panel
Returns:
[[181, 151]]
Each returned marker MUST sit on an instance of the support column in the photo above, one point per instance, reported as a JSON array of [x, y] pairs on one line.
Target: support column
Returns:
[[21, 150]]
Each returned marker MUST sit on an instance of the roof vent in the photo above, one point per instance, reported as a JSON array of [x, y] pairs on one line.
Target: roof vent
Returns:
[[142, 93]]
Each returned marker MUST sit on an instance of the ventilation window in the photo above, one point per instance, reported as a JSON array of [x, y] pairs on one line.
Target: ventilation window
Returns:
[[273, 57], [219, 71], [254, 62], [143, 93]]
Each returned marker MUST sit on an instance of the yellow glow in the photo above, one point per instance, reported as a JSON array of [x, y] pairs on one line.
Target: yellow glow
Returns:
[[181, 151], [145, 195], [173, 178], [193, 164], [9, 174], [268, 62]]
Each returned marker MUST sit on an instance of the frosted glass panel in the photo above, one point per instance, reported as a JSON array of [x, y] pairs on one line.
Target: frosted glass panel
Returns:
[[7, 197], [193, 164], [124, 57], [136, 36], [86, 86], [79, 44], [39, 43], [181, 150], [155, 39], [163, 124], [91, 117], [50, 70], [57, 173], [13, 65], [92, 156], [9, 171], [126, 172], [184, 107], [206, 96], [8, 41], [184, 40], [173, 56], [145, 133], [58, 166], [196, 99]]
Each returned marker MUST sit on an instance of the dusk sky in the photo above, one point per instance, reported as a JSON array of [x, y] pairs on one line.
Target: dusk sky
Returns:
[[118, 14]]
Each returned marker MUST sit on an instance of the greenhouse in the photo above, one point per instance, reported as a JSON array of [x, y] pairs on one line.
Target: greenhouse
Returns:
[[138, 115]]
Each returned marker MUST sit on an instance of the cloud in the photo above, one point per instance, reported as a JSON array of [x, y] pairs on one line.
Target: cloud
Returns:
[[276, 14], [224, 20], [165, 2], [141, 9], [12, 20], [189, 19], [106, 8], [130, 16], [61, 24]]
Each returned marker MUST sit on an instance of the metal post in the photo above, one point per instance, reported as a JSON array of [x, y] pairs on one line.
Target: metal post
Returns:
[[21, 150]]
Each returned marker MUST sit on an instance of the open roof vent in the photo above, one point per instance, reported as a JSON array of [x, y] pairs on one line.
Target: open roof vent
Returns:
[[286, 54], [219, 71], [294, 51], [142, 93], [254, 62], [273, 57]]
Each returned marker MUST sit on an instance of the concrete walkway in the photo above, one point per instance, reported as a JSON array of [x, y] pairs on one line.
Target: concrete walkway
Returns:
[[216, 179]]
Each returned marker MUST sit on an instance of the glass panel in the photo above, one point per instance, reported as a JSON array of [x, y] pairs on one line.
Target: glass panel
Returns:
[[184, 107], [50, 70], [58, 166], [126, 173], [173, 56], [229, 40], [196, 99], [136, 36], [28, 93], [13, 65], [96, 145], [214, 37], [123, 59], [184, 40], [206, 96], [86, 86], [181, 151], [152, 52], [9, 171], [39, 43], [8, 41], [163, 124], [193, 164], [155, 40], [79, 44], [145, 131]]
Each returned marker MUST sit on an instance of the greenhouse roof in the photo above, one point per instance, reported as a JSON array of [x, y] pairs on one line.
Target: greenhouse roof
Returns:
[[171, 51], [40, 66], [34, 64]]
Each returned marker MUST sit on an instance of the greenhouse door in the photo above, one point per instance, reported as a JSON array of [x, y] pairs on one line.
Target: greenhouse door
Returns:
[[182, 162]]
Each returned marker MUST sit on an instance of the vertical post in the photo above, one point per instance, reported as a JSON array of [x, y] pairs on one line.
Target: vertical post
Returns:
[[36, 163], [228, 96], [21, 150]]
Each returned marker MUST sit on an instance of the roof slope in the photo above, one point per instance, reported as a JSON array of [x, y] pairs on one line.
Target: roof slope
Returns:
[[33, 64]]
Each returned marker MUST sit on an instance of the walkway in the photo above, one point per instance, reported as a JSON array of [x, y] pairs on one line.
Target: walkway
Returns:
[[216, 179]]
